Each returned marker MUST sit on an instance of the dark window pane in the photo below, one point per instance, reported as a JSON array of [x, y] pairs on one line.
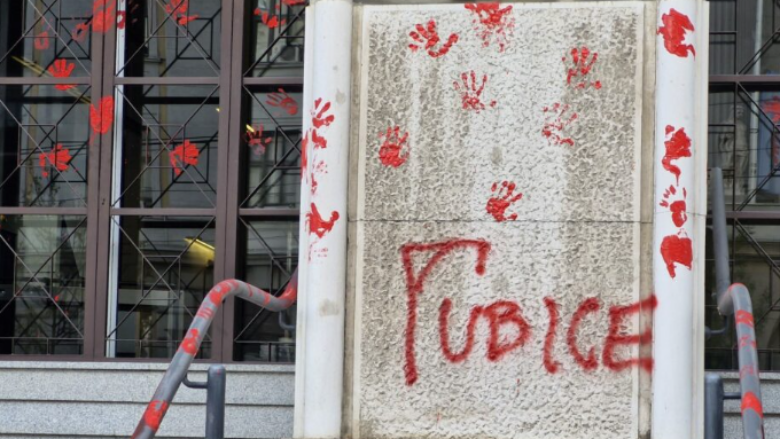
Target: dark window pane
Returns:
[[42, 281], [270, 258], [162, 270], [276, 34]]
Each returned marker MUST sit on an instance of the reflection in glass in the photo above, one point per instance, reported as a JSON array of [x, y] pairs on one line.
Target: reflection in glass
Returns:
[[42, 281], [271, 257]]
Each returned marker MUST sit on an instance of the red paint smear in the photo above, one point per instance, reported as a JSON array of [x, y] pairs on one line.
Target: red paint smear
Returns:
[[555, 123], [255, 140], [102, 117], [319, 141], [675, 26], [80, 32], [746, 341], [319, 168], [497, 205], [41, 41], [614, 339], [470, 95], [318, 119], [304, 155], [772, 109], [178, 10], [679, 216], [392, 147], [182, 155], [744, 317], [492, 22], [317, 225], [154, 414], [499, 313], [271, 21], [58, 157], [590, 305], [217, 295], [293, 2], [206, 313], [103, 16], [426, 37], [444, 337], [676, 250], [414, 285], [62, 69], [677, 146], [751, 402], [581, 64], [747, 370], [549, 340], [191, 342], [121, 19], [284, 101]]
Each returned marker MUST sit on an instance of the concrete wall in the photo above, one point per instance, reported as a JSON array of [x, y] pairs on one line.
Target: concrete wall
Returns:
[[52, 399], [578, 239]]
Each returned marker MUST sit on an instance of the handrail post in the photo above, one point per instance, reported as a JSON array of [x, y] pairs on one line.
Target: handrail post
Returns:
[[215, 402], [713, 406]]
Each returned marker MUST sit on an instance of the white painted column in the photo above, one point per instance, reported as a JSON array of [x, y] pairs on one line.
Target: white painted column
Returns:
[[323, 307], [678, 251]]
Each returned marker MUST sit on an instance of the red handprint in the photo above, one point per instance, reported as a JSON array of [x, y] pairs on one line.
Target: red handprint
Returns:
[[271, 21], [191, 342], [102, 116], [505, 197], [677, 207], [121, 19], [470, 95], [427, 37], [492, 21], [103, 15], [678, 145], [184, 154], [677, 249], [178, 10], [41, 41], [390, 151], [58, 157], [80, 32], [62, 69], [582, 63], [319, 120], [555, 122], [675, 26], [317, 225], [254, 139], [283, 101], [293, 2], [320, 142], [317, 168]]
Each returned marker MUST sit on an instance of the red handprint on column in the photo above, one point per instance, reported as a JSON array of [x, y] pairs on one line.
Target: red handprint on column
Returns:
[[426, 37], [58, 157], [498, 204], [675, 27], [255, 140], [678, 145], [181, 156], [492, 21], [677, 249], [284, 101], [80, 32], [677, 207], [392, 147], [581, 64], [317, 225], [62, 69], [555, 122], [319, 119], [471, 95]]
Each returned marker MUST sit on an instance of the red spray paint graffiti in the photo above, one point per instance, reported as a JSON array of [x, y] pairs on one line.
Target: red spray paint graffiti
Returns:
[[492, 22], [444, 337], [678, 145], [426, 37], [590, 305], [58, 157], [677, 207], [676, 249], [154, 414], [415, 283], [282, 100], [500, 313], [505, 197], [183, 155], [555, 122], [581, 65], [470, 95], [390, 153], [615, 339], [191, 342], [549, 340], [751, 402], [318, 118], [62, 69], [41, 41], [102, 116], [674, 29], [317, 225], [255, 140]]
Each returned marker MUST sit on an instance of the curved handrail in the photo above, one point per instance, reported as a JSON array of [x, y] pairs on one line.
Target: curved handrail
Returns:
[[180, 363]]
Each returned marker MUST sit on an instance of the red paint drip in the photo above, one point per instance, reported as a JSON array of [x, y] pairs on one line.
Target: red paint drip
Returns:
[[678, 145], [101, 118], [317, 225], [751, 402], [492, 22], [62, 69], [745, 318], [676, 250], [154, 414], [582, 61], [183, 155], [679, 216], [470, 94], [615, 339], [503, 312], [284, 101], [390, 153], [41, 41], [549, 340], [191, 342], [427, 37], [589, 306], [675, 26], [505, 197], [414, 285], [58, 157], [444, 337], [121, 19], [555, 122], [319, 119]]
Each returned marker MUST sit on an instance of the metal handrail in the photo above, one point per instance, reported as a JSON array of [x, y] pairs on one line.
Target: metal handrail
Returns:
[[177, 371], [735, 299]]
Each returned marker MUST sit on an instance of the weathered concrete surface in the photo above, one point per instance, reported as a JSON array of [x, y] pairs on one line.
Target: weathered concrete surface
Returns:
[[577, 235]]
